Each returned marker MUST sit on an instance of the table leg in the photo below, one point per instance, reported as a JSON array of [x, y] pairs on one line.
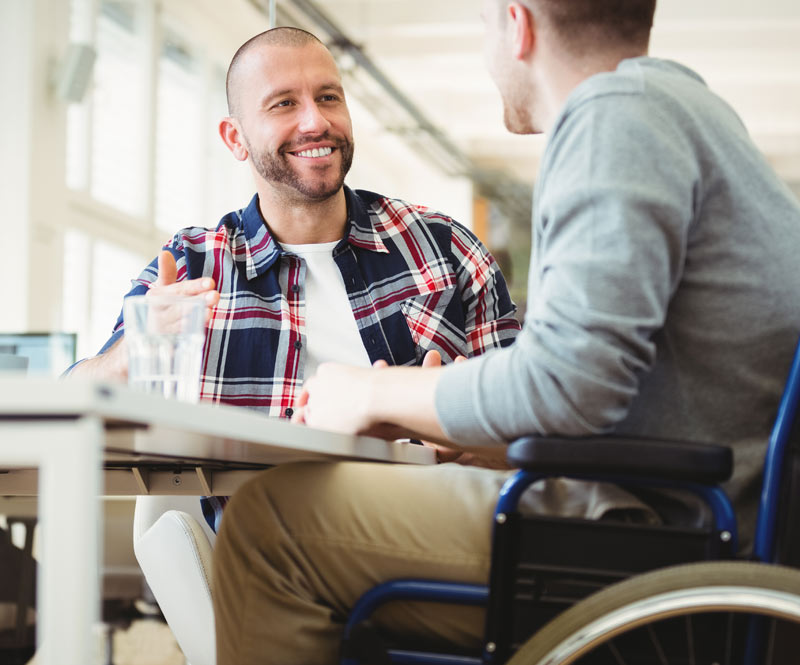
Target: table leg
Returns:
[[69, 456]]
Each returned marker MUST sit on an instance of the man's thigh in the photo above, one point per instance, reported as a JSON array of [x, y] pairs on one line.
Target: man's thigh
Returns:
[[339, 529]]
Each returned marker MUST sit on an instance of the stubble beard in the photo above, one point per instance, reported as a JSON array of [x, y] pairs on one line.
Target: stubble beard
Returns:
[[521, 108], [517, 122], [275, 168]]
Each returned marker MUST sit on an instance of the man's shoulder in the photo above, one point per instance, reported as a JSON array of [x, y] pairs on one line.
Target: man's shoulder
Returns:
[[388, 213], [638, 89]]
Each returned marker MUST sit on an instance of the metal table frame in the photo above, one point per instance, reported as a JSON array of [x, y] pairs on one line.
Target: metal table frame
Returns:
[[71, 442]]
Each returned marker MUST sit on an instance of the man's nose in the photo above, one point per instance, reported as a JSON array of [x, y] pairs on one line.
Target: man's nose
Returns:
[[312, 120]]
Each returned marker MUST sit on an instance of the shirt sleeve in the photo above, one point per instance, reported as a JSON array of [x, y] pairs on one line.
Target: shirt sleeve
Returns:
[[489, 322], [614, 204]]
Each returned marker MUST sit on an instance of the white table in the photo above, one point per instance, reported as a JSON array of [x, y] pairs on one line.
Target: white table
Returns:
[[70, 442]]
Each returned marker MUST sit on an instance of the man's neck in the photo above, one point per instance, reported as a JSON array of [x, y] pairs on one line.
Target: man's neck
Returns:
[[561, 75], [297, 222]]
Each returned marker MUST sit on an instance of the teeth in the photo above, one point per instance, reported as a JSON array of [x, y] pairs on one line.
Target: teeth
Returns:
[[316, 152]]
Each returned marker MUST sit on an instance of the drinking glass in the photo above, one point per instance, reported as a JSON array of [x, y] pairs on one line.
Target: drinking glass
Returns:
[[165, 337]]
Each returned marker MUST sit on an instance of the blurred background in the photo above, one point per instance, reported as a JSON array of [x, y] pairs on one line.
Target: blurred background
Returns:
[[108, 142]]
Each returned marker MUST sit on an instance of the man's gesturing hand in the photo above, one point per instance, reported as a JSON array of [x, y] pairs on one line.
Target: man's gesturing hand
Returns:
[[166, 283]]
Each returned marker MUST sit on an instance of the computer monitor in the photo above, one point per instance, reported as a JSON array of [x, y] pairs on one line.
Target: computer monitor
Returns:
[[48, 354]]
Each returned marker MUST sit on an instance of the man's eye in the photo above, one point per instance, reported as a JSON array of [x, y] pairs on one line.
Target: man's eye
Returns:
[[329, 98], [282, 104]]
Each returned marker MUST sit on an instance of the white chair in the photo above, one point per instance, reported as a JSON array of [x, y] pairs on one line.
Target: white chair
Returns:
[[173, 545]]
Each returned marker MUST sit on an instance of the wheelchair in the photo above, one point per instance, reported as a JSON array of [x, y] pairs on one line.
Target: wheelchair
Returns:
[[565, 590]]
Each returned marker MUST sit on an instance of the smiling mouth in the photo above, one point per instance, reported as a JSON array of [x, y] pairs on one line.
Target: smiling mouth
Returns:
[[315, 152]]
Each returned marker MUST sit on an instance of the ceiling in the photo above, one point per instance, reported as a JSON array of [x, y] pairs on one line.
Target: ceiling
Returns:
[[748, 52]]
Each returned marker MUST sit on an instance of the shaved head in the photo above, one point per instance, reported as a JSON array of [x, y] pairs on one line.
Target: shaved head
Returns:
[[288, 116], [283, 36]]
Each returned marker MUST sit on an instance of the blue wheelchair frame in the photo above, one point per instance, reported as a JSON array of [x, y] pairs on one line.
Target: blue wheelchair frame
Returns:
[[724, 526]]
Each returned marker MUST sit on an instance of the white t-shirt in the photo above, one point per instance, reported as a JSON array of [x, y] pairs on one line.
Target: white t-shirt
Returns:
[[331, 330]]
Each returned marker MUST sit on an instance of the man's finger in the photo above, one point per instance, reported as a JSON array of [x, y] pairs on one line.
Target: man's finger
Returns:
[[302, 399], [299, 415], [380, 364], [432, 359], [189, 287], [167, 269]]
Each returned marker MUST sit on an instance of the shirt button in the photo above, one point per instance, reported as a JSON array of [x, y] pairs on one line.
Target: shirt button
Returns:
[[298, 345], [288, 412], [295, 288]]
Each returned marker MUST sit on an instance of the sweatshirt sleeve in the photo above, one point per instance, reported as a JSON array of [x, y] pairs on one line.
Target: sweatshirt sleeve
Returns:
[[613, 209]]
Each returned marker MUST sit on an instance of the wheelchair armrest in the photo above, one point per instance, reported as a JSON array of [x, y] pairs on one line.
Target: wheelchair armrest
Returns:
[[621, 456]]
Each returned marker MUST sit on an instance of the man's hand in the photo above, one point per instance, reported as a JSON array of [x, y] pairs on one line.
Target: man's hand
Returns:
[[113, 364], [167, 317], [350, 413], [335, 398], [387, 402], [165, 284]]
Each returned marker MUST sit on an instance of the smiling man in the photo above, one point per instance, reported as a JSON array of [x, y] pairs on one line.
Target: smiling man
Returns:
[[312, 271]]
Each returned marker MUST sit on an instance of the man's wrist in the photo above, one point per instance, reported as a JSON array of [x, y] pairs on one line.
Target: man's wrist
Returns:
[[121, 360], [378, 396]]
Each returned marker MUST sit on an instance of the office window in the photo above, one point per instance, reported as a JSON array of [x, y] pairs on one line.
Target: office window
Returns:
[[113, 268], [181, 137], [119, 125], [96, 276], [107, 133], [143, 144], [81, 30], [230, 185], [197, 178], [75, 288]]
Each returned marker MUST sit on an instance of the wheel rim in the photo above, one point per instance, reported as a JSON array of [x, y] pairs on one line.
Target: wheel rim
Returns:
[[776, 604]]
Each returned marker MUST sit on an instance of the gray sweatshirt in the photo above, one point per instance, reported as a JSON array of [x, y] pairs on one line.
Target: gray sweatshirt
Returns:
[[664, 291]]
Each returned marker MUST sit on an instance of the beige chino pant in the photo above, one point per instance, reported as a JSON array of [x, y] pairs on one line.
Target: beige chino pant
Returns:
[[300, 543]]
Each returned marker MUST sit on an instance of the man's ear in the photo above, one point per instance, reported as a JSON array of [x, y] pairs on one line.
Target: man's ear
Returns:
[[232, 137], [523, 30]]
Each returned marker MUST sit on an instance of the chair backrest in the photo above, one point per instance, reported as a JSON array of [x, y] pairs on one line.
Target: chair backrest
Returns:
[[174, 551], [776, 541], [150, 508]]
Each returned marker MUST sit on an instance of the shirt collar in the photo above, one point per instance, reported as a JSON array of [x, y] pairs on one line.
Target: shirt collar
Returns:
[[361, 230], [262, 250]]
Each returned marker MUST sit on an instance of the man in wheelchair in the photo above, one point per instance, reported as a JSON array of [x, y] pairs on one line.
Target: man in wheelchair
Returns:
[[663, 303]]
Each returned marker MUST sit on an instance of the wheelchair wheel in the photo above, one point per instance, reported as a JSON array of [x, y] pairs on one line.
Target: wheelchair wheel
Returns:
[[712, 613]]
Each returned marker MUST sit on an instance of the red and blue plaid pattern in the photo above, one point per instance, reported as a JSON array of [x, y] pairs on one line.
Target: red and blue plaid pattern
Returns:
[[416, 279]]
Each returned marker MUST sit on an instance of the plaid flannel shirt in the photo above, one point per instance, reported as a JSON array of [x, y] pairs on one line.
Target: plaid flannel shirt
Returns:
[[416, 280]]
